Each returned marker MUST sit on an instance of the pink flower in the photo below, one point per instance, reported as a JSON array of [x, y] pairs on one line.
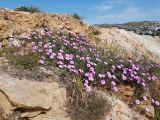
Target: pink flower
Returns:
[[114, 77], [101, 75], [60, 62], [41, 61], [88, 65], [87, 58], [0, 45], [103, 82], [143, 84], [52, 55], [91, 78], [91, 69], [157, 103], [154, 78], [147, 110], [61, 66], [144, 98], [60, 56], [49, 33], [109, 74], [119, 66], [113, 83], [72, 62], [143, 74], [86, 81], [88, 89], [124, 70], [68, 56], [123, 77], [113, 67], [115, 89], [137, 102], [81, 71], [105, 63], [153, 101]]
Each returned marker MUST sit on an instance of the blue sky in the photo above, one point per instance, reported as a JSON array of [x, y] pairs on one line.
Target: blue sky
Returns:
[[97, 11]]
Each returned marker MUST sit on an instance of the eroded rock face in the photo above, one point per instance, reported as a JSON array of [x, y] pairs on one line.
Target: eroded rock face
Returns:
[[15, 21], [34, 98], [119, 109]]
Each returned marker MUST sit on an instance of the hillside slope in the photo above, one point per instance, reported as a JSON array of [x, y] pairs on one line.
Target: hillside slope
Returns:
[[51, 70], [132, 42]]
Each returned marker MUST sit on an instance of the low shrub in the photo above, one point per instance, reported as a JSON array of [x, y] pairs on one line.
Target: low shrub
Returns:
[[30, 9], [77, 16], [88, 107], [96, 32]]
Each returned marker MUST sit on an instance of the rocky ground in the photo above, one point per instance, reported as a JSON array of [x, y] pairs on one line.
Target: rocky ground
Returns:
[[41, 94], [15, 21]]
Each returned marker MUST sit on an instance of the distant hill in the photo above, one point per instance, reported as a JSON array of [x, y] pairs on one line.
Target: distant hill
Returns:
[[141, 28]]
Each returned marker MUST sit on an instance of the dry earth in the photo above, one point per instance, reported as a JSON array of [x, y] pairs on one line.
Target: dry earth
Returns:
[[15, 21]]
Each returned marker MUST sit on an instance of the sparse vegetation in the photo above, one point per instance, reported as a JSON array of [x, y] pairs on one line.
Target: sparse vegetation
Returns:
[[96, 32], [88, 107], [157, 116], [30, 9], [26, 61], [77, 16]]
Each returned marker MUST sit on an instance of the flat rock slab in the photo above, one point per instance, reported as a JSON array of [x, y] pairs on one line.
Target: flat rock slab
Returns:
[[27, 94]]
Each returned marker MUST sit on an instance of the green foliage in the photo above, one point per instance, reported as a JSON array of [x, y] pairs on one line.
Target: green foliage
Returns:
[[28, 61], [89, 107], [77, 16], [96, 32], [30, 9], [157, 115]]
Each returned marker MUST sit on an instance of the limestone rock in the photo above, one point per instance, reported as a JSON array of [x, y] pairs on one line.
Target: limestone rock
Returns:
[[30, 114], [119, 109], [5, 104], [27, 94], [150, 113], [38, 100]]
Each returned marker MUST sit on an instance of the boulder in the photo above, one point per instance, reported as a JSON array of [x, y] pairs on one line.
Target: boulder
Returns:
[[35, 99]]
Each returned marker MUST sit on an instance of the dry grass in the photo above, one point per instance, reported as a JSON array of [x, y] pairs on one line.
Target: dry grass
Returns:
[[88, 107]]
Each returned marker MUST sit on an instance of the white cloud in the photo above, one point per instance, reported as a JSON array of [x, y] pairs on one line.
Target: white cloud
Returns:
[[103, 7], [130, 14], [107, 5], [115, 1]]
